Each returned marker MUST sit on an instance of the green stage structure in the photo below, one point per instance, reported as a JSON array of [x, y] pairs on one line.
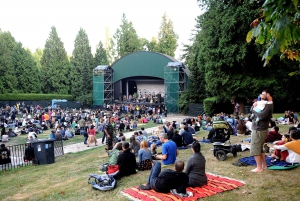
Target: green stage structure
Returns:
[[103, 87], [111, 82]]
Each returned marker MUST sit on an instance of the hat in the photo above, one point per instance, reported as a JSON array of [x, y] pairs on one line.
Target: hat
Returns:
[[246, 119], [2, 145]]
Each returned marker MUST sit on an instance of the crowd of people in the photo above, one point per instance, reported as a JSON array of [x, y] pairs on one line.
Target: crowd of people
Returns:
[[140, 152]]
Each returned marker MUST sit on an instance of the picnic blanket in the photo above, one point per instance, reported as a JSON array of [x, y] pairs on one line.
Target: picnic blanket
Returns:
[[250, 161], [216, 184]]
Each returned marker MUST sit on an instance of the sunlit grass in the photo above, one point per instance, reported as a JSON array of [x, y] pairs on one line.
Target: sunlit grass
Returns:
[[66, 179]]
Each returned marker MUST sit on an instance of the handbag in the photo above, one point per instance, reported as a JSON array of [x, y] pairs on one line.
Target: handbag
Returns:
[[112, 169]]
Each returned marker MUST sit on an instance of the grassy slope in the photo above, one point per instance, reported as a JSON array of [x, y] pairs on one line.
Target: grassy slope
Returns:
[[66, 179]]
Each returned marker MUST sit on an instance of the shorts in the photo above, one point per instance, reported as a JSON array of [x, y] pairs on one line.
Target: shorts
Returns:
[[258, 139], [109, 141]]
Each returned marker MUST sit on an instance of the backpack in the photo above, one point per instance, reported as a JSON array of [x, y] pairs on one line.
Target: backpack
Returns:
[[102, 182]]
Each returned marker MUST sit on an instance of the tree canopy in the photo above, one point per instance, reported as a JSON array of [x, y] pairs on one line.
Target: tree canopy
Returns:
[[223, 66], [26, 70], [277, 27], [127, 40], [8, 80], [167, 38]]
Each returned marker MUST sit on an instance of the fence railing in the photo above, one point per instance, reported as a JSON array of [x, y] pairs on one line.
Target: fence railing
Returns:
[[17, 153]]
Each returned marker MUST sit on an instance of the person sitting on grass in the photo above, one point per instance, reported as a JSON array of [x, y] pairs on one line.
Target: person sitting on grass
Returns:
[[144, 157], [187, 137], [278, 154], [113, 156], [195, 168], [168, 180], [126, 162], [169, 150], [292, 147], [177, 139], [273, 135], [4, 155], [134, 145]]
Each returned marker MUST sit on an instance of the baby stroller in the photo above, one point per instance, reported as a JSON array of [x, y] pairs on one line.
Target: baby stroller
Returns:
[[223, 130]]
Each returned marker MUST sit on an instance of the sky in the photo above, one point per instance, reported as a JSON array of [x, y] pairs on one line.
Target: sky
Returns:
[[30, 21]]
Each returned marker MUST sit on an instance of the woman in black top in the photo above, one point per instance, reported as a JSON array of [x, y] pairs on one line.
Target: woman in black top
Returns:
[[195, 167], [177, 139], [126, 161]]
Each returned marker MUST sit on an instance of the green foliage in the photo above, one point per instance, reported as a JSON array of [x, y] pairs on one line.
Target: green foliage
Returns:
[[127, 40], [152, 45], [86, 99], [100, 56], [82, 66], [183, 102], [26, 71], [208, 105], [34, 97], [55, 66], [167, 38], [8, 80], [37, 56], [278, 28]]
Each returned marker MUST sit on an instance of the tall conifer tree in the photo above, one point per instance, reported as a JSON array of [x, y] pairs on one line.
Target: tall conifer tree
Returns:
[[127, 40], [100, 56], [8, 80], [26, 71], [82, 66], [55, 66], [167, 38]]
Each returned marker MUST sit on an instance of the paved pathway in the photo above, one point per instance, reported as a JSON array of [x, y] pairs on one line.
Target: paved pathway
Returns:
[[81, 147]]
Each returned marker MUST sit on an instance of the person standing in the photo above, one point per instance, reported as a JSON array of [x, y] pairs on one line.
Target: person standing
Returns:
[[237, 109], [260, 131], [92, 136], [109, 132]]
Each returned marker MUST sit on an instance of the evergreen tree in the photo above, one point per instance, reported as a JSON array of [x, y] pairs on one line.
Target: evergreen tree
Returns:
[[8, 80], [127, 40], [82, 66], [152, 45], [167, 38], [26, 70], [100, 56], [37, 56], [228, 67], [55, 66]]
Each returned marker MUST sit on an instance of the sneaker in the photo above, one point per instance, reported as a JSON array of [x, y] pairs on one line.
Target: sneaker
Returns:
[[143, 187], [187, 194]]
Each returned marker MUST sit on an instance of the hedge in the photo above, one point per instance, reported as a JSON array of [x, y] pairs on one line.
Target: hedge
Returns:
[[208, 105], [34, 97]]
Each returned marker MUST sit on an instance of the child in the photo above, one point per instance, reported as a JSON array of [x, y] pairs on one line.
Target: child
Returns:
[[278, 154], [259, 107]]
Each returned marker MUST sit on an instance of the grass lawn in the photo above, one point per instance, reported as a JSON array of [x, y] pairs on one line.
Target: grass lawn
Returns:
[[66, 179]]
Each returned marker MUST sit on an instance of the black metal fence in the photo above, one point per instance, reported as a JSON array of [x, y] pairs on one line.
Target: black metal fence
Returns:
[[17, 153]]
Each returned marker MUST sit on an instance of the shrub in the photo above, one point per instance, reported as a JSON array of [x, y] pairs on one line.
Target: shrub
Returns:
[[34, 97], [208, 105]]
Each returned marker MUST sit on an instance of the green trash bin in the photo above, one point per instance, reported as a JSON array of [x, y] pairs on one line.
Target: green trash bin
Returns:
[[44, 151]]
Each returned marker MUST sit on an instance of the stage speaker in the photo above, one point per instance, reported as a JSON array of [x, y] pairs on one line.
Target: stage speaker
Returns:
[[120, 96], [158, 98]]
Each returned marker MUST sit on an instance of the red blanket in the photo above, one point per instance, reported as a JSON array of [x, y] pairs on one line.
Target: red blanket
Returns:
[[216, 184]]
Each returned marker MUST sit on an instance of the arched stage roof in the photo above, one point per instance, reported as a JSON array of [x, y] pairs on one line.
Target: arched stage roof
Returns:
[[141, 63]]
